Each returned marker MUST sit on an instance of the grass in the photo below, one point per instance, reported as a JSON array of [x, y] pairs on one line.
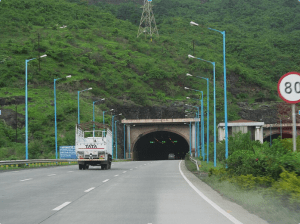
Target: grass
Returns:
[[261, 202], [33, 165]]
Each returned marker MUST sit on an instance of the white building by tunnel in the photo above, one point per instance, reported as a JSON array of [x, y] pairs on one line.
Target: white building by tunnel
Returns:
[[244, 126]]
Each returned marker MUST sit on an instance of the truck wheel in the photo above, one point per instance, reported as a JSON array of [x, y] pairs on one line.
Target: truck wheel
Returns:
[[102, 167], [109, 165], [80, 166], [87, 167]]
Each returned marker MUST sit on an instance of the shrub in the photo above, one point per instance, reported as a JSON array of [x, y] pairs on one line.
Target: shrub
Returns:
[[289, 184]]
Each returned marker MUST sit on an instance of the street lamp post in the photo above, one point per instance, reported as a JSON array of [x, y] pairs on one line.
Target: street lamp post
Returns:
[[112, 131], [94, 115], [202, 121], [116, 130], [197, 129], [103, 122], [207, 124], [78, 103], [26, 106], [225, 91], [124, 142], [69, 76], [190, 138]]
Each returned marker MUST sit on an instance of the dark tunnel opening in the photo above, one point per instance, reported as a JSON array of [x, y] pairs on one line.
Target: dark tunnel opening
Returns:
[[158, 145], [275, 136]]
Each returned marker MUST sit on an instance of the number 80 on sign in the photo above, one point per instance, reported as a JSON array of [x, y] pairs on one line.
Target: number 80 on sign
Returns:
[[289, 87]]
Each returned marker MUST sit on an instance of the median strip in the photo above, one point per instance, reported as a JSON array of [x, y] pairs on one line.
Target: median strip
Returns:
[[90, 189], [61, 206], [106, 180], [26, 179]]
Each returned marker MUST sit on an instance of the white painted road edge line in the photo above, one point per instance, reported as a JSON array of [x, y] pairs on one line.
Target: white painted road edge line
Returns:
[[217, 207], [90, 189], [61, 206], [26, 179], [106, 180], [51, 175]]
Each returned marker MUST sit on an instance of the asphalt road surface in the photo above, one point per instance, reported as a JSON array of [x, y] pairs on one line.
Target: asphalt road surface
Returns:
[[137, 192]]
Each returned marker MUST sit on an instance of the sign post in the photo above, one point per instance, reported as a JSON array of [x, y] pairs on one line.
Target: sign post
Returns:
[[288, 89]]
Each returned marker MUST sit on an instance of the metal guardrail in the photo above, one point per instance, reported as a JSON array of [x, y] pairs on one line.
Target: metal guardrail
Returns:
[[195, 162], [14, 162]]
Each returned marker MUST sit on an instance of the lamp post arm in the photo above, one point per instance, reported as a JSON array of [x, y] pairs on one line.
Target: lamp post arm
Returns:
[[205, 60], [215, 30]]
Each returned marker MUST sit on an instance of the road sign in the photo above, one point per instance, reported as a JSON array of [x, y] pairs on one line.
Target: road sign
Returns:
[[288, 87], [0, 110], [67, 152]]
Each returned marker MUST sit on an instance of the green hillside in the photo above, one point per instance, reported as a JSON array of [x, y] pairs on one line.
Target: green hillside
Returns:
[[99, 48]]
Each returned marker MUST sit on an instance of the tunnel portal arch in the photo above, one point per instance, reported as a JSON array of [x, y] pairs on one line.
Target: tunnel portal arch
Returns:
[[139, 130]]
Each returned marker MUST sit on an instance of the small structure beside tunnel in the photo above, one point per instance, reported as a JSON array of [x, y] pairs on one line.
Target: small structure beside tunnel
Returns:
[[154, 138], [244, 126]]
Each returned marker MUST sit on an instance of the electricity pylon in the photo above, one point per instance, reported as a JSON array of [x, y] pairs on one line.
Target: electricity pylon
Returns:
[[147, 23]]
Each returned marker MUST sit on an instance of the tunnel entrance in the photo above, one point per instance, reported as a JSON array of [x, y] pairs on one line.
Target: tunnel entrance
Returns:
[[275, 136], [158, 145]]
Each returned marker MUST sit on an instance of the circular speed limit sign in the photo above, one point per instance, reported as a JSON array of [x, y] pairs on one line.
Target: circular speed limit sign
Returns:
[[289, 87]]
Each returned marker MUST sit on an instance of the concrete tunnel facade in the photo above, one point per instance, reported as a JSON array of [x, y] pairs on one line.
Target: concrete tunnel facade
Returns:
[[168, 135]]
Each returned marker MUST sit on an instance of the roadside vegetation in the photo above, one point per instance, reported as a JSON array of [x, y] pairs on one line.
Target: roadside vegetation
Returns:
[[34, 165], [263, 179]]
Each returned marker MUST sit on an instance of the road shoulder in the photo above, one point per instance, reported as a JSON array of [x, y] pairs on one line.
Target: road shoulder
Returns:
[[232, 208]]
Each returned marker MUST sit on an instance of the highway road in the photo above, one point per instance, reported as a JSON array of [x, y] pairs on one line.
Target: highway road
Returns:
[[137, 192]]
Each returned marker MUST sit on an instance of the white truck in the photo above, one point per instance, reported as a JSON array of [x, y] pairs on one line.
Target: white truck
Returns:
[[93, 147]]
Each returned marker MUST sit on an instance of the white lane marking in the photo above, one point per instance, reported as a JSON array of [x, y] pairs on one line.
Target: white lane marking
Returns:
[[51, 175], [106, 180], [145, 164], [26, 179], [61, 206], [124, 171], [136, 167], [70, 171], [217, 207], [116, 175], [90, 189]]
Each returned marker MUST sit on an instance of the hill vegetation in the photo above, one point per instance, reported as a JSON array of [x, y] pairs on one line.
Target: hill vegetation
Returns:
[[96, 43]]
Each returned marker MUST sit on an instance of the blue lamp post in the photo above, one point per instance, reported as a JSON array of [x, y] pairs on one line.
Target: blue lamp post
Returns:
[[103, 122], [190, 138], [112, 132], [202, 121], [69, 76], [116, 130], [94, 113], [197, 127], [207, 124], [26, 106], [78, 103], [124, 142], [225, 91]]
